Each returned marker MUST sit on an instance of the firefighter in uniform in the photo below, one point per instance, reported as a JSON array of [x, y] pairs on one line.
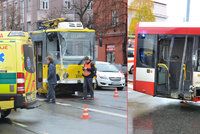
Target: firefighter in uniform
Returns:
[[89, 71]]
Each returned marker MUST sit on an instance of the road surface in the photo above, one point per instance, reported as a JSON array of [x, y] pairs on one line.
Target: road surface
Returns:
[[108, 115], [153, 115]]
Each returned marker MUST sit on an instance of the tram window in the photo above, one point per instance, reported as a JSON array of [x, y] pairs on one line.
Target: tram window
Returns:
[[29, 58], [146, 50]]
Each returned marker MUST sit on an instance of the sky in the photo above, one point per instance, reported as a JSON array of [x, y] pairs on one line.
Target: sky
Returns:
[[176, 10]]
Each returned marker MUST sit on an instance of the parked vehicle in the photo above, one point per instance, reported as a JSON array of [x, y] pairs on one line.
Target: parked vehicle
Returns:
[[123, 69], [108, 76], [17, 72]]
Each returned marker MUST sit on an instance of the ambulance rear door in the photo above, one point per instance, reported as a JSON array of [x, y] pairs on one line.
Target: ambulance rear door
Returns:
[[8, 67]]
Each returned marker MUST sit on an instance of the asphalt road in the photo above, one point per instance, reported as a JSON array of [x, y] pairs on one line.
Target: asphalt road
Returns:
[[153, 115], [108, 115]]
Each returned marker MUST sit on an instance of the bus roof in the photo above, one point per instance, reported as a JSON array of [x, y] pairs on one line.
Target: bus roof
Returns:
[[169, 28], [63, 30], [169, 24]]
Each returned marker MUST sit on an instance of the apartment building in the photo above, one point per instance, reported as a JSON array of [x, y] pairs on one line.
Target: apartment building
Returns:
[[29, 13]]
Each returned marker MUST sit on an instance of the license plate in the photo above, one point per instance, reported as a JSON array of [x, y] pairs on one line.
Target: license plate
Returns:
[[115, 83]]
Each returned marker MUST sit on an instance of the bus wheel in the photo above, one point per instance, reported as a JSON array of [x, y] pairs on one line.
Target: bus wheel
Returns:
[[5, 113]]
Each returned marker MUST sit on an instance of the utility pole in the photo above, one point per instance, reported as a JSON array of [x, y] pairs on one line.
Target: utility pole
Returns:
[[188, 11]]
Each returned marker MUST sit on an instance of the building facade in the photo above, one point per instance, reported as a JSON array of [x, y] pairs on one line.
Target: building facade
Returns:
[[110, 23], [31, 12]]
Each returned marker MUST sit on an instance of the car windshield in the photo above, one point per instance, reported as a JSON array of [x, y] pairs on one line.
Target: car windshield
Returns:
[[106, 67]]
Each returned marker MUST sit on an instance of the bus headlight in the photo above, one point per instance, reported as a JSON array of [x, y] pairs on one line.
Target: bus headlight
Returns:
[[65, 75]]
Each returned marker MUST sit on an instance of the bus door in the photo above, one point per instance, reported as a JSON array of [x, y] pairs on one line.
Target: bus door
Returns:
[[39, 66], [174, 65], [145, 64]]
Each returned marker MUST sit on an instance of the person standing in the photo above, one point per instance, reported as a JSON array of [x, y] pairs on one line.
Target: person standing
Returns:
[[52, 80], [89, 71]]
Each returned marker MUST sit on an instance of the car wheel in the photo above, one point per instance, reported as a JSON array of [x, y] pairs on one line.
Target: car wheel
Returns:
[[120, 88], [97, 86], [5, 113]]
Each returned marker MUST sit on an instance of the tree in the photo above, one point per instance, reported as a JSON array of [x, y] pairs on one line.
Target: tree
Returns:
[[143, 12], [103, 19], [110, 18], [53, 14], [80, 9], [12, 18]]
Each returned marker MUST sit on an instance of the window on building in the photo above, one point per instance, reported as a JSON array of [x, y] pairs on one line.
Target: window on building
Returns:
[[44, 4], [67, 4], [115, 18], [29, 26], [28, 5]]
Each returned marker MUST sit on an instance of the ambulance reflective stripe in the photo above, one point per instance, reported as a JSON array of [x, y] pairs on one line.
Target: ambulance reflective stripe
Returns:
[[28, 81], [33, 83], [22, 52]]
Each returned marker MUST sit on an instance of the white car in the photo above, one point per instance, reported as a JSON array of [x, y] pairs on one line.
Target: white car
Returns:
[[109, 77]]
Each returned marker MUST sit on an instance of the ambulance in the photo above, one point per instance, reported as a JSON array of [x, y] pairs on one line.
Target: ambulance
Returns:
[[17, 72]]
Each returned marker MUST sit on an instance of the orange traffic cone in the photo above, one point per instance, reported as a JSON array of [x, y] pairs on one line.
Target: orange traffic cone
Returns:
[[116, 94], [85, 115]]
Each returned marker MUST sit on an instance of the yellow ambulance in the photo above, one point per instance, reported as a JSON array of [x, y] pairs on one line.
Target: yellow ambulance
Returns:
[[17, 72]]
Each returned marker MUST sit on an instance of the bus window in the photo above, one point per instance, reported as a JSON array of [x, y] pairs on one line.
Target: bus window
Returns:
[[29, 59], [146, 51]]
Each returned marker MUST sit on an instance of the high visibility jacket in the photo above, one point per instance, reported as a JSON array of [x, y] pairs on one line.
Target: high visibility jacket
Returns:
[[89, 70]]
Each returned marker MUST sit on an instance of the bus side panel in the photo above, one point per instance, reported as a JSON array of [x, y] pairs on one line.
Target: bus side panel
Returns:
[[145, 87], [145, 78]]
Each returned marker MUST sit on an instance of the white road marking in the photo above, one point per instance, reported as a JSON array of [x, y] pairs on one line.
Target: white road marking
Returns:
[[19, 124], [94, 110], [41, 99], [63, 104], [90, 109], [108, 113]]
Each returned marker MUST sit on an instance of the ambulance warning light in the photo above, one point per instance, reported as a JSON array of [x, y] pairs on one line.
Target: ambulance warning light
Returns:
[[16, 33]]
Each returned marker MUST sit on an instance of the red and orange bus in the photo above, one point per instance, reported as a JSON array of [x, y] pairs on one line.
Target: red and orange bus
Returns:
[[167, 60]]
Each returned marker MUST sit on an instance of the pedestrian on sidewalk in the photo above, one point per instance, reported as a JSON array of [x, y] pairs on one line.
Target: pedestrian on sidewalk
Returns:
[[52, 80], [89, 72]]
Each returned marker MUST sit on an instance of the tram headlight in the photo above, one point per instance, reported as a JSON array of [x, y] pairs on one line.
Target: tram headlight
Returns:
[[65, 75]]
